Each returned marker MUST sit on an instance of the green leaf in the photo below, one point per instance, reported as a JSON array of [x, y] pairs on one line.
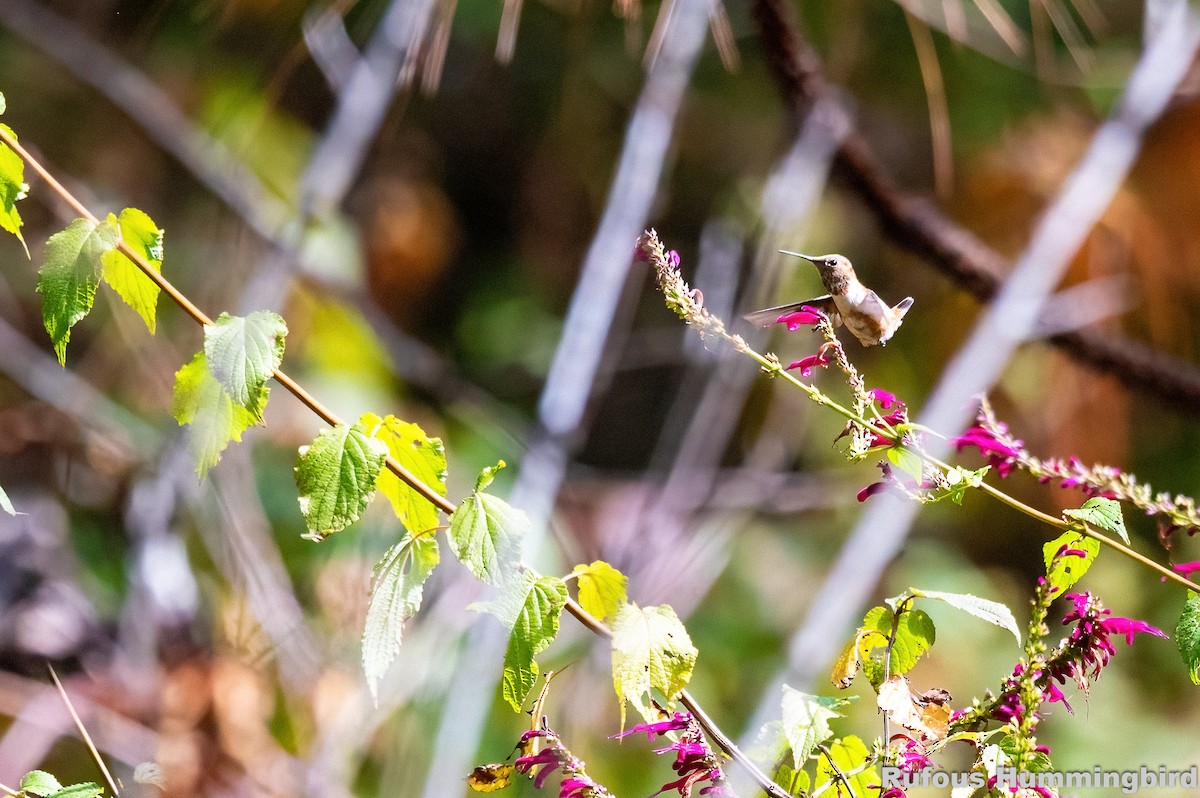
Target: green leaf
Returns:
[[336, 477], [214, 417], [12, 188], [141, 235], [68, 278], [915, 635], [1064, 571], [601, 588], [529, 607], [87, 789], [395, 597], [651, 650], [423, 456], [486, 536], [991, 611], [906, 460], [39, 782], [806, 721], [488, 474], [1187, 636], [243, 351], [849, 754], [1102, 513]]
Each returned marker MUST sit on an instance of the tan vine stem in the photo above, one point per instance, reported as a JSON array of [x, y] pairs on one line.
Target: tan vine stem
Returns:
[[406, 476]]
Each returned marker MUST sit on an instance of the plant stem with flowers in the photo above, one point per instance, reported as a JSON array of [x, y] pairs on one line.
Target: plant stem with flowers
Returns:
[[878, 422], [933, 481]]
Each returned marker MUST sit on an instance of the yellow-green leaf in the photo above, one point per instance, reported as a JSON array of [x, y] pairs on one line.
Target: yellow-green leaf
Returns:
[[806, 721], [486, 535], [423, 456], [142, 235], [651, 651], [1065, 569], [215, 418], [601, 588], [12, 188], [849, 754]]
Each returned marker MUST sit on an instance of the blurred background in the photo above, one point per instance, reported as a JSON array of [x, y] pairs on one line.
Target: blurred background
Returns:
[[441, 197]]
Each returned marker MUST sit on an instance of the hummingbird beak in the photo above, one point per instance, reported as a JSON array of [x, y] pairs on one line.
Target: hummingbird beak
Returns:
[[809, 258]]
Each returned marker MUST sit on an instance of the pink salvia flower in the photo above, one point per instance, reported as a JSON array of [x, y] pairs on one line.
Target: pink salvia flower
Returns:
[[1187, 568], [807, 364], [679, 722], [872, 489], [1129, 627], [803, 317], [886, 399]]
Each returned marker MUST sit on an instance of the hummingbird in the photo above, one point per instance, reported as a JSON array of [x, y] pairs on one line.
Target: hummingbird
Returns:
[[848, 302]]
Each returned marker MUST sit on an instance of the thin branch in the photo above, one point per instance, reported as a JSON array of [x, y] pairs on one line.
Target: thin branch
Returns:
[[83, 732]]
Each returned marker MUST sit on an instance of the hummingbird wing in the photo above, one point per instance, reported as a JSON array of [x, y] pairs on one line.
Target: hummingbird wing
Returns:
[[768, 316]]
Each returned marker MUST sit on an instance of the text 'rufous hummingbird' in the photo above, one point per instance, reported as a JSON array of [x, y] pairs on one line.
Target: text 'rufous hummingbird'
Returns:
[[848, 302]]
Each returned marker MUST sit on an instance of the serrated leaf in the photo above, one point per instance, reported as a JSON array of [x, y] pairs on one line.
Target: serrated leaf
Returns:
[[243, 352], [1187, 636], [915, 634], [486, 535], [68, 278], [849, 754], [806, 721], [601, 588], [1102, 513], [215, 418], [12, 189], [141, 234], [1064, 571], [906, 460], [423, 456], [651, 650], [39, 782], [396, 590], [529, 606], [991, 611], [6, 503], [87, 789], [335, 477]]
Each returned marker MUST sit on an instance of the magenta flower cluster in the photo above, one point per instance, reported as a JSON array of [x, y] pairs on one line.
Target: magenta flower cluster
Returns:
[[695, 762], [1080, 658], [553, 757]]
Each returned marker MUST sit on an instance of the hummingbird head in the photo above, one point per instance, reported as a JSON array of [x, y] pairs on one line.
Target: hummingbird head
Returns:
[[836, 270]]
